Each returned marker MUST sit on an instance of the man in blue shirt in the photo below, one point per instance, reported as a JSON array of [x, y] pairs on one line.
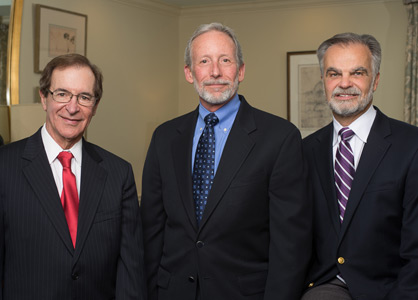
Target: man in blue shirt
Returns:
[[224, 204]]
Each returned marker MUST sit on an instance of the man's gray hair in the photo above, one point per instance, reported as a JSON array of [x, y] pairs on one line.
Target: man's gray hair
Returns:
[[352, 38], [213, 27]]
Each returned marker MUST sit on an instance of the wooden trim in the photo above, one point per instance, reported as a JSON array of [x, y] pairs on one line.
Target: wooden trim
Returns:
[[13, 52]]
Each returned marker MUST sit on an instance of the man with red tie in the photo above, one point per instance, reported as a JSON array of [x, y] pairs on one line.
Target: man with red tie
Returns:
[[69, 214]]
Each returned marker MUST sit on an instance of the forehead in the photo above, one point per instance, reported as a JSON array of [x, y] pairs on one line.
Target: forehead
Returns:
[[352, 55], [73, 76], [213, 42]]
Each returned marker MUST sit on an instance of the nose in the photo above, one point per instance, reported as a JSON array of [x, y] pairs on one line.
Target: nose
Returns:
[[73, 107], [216, 70], [345, 81]]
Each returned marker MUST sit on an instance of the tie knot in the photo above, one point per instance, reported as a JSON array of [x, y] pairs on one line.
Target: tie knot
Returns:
[[346, 133], [65, 158], [211, 119]]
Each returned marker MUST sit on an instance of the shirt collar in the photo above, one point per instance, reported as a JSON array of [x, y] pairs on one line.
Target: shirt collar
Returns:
[[360, 126], [226, 114], [52, 149]]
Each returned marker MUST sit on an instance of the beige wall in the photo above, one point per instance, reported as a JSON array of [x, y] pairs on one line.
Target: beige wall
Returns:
[[139, 48], [266, 34], [136, 49], [4, 123]]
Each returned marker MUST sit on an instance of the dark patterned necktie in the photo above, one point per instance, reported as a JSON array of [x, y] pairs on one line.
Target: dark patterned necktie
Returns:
[[344, 169], [69, 195], [204, 166]]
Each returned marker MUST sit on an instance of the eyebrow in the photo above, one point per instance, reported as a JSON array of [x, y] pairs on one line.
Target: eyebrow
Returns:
[[363, 69], [331, 69], [82, 93]]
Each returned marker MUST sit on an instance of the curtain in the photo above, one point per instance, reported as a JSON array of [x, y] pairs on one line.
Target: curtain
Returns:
[[4, 29], [411, 69]]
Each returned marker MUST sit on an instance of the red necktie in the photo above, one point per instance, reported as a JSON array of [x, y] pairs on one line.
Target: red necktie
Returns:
[[69, 196]]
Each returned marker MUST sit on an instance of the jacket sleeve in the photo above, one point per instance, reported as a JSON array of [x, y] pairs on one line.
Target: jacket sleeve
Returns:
[[153, 216], [290, 223], [406, 287], [130, 279]]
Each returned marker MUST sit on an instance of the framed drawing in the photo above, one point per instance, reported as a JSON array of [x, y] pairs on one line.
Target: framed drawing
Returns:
[[306, 104], [58, 32]]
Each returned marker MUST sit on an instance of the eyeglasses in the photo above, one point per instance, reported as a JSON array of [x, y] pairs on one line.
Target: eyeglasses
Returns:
[[65, 97]]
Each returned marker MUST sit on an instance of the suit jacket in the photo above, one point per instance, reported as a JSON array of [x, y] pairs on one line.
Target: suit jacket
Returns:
[[254, 238], [37, 258], [378, 239]]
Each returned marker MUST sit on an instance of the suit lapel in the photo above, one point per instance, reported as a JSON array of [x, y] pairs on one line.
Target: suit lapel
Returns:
[[236, 150], [325, 166], [373, 153], [93, 180], [39, 175], [182, 157]]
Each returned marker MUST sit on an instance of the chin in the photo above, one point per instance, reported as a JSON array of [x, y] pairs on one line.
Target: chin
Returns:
[[344, 109]]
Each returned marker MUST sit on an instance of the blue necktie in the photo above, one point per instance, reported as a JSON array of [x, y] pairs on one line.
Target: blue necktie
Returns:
[[204, 166]]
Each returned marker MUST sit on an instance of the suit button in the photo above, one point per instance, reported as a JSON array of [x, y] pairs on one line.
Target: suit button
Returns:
[[74, 276], [191, 279], [341, 260], [311, 284], [200, 244]]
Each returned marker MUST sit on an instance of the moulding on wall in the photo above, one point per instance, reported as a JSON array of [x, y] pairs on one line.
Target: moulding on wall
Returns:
[[153, 6], [269, 5], [159, 6]]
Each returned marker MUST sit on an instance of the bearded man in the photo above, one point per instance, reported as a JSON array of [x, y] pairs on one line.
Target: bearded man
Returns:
[[363, 170], [224, 202]]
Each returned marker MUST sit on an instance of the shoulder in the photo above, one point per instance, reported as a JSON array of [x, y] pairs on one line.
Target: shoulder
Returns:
[[13, 148], [263, 120], [103, 156], [399, 131], [400, 127], [11, 157], [266, 118], [318, 135], [28, 147], [178, 122]]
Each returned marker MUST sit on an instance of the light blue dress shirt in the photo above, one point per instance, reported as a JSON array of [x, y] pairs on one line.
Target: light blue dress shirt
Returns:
[[226, 115]]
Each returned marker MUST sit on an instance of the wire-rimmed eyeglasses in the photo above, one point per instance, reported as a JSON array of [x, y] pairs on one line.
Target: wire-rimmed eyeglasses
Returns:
[[63, 96]]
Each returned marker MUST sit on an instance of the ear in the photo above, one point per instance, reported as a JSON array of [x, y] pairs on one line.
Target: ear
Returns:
[[188, 74], [241, 73], [43, 100], [376, 82], [95, 108]]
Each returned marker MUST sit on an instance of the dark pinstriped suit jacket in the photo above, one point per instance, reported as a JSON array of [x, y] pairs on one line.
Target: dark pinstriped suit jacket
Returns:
[[37, 259]]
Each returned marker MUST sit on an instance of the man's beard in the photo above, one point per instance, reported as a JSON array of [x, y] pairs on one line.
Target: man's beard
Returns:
[[210, 97], [348, 108]]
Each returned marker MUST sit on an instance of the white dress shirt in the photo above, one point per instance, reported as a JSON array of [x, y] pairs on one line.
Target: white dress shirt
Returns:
[[361, 128], [52, 150]]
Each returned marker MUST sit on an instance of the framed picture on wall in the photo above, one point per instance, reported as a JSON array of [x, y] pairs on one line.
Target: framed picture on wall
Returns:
[[306, 104], [58, 32]]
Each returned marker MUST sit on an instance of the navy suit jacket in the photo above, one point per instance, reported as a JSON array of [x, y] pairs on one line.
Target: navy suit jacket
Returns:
[[37, 258], [379, 236], [254, 240]]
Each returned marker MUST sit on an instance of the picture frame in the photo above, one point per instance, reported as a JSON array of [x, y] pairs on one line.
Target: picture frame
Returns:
[[57, 32], [306, 103]]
